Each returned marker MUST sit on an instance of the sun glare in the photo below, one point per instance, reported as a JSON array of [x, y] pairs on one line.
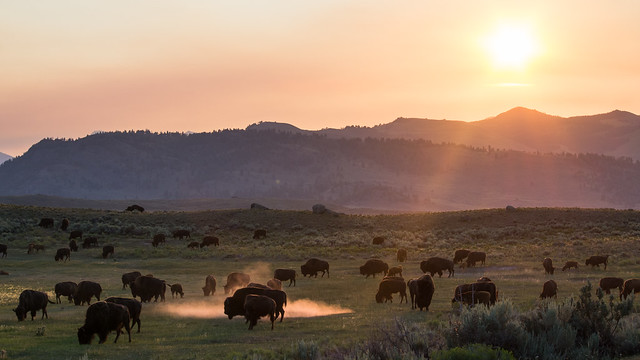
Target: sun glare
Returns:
[[511, 46]]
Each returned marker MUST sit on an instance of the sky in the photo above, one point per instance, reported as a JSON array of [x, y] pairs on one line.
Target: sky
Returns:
[[69, 68]]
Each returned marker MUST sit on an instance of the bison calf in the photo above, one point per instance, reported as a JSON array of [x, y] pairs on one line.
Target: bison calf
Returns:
[[569, 265], [63, 254], [175, 290], [209, 285], [389, 286]]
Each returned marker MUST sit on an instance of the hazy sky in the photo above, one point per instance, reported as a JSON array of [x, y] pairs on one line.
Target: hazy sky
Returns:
[[68, 68]]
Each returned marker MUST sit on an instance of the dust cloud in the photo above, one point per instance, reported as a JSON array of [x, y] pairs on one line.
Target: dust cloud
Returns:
[[304, 308]]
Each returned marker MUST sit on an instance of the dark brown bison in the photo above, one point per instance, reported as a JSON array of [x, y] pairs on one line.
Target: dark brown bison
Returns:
[[421, 291], [63, 254], [193, 245], [134, 306], [75, 234], [475, 297], [66, 288], [89, 242], [435, 265], [374, 266], [176, 289], [548, 266], [313, 266], [597, 260], [476, 256], [107, 250], [179, 234], [608, 283], [235, 281], [128, 278], [569, 265], [32, 301], [260, 234], [147, 287], [64, 224], [401, 255], [629, 286], [275, 284], [157, 239], [257, 306], [285, 274], [234, 305], [209, 240], [209, 285], [31, 248], [84, 292], [102, 318], [46, 222], [3, 250], [73, 246], [549, 289], [395, 270], [460, 255], [388, 286], [488, 286], [378, 240], [134, 207]]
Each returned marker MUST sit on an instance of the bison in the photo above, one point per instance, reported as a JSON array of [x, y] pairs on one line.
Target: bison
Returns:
[[193, 245], [608, 283], [107, 250], [234, 305], [134, 207], [474, 297], [46, 222], [569, 265], [388, 286], [460, 255], [549, 289], [3, 250], [313, 266], [102, 318], [84, 292], [32, 301], [378, 240], [128, 278], [374, 266], [488, 286], [631, 285], [134, 306], [75, 234], [401, 255], [64, 224], [34, 247], [596, 260], [257, 306], [548, 266], [285, 274], [476, 256], [236, 280], [66, 288], [147, 287], [73, 246], [63, 254], [209, 240], [176, 289], [260, 234], [395, 270], [435, 265], [209, 285], [421, 291], [89, 242], [275, 284], [157, 239], [181, 234]]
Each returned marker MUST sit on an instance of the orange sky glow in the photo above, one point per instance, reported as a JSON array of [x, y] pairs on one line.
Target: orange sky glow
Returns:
[[72, 67]]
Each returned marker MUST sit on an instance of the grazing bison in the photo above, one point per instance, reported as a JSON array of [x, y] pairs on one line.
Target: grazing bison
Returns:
[[3, 250], [102, 318], [46, 222], [435, 265], [549, 289], [395, 270], [32, 301], [235, 281], [631, 285], [193, 245], [34, 247], [260, 234], [157, 239], [75, 234], [64, 225], [73, 246], [476, 256], [488, 286], [89, 242], [460, 255], [66, 288], [209, 240], [474, 297], [285, 274], [106, 251], [84, 292], [209, 285], [374, 266], [257, 306], [234, 305], [128, 278], [597, 260], [275, 284], [608, 283], [401, 255], [63, 254], [313, 266], [181, 234], [176, 289], [569, 265], [548, 266], [378, 240], [388, 286], [421, 291], [134, 306], [134, 207], [147, 287]]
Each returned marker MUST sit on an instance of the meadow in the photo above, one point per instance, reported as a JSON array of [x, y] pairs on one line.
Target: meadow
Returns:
[[324, 315]]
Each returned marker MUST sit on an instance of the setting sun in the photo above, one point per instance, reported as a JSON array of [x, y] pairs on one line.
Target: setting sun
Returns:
[[511, 46]]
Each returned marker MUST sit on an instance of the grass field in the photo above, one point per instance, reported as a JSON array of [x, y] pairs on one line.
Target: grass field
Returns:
[[330, 312]]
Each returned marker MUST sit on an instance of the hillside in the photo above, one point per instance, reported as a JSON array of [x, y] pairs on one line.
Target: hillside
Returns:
[[4, 157], [403, 175]]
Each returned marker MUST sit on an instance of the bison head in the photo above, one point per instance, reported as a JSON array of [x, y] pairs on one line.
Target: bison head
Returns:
[[379, 297], [84, 337], [21, 313]]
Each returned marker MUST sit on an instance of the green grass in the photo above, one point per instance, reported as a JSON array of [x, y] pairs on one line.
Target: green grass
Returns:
[[516, 243]]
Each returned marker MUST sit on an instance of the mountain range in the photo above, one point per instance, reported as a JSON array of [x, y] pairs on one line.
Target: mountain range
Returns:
[[4, 157], [521, 157]]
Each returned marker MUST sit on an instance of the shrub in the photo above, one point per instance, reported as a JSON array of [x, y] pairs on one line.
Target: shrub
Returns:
[[473, 352]]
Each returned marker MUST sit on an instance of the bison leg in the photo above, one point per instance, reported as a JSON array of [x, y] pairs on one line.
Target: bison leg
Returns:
[[273, 319], [103, 337]]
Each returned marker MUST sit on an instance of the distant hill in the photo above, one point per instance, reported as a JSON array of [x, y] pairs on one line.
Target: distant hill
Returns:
[[4, 157]]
